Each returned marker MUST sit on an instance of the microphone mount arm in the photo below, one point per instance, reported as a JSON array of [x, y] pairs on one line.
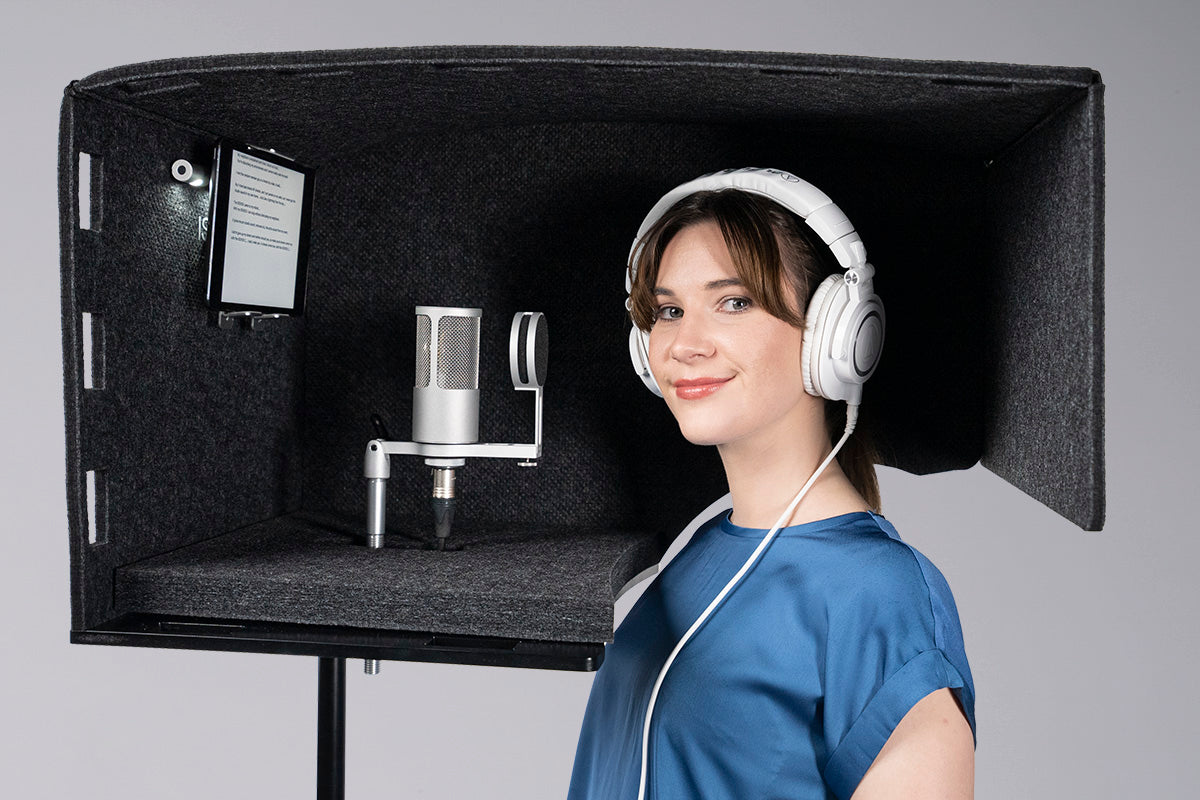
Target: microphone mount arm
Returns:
[[377, 470]]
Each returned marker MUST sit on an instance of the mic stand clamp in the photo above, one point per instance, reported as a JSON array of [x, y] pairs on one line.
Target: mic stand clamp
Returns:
[[377, 468]]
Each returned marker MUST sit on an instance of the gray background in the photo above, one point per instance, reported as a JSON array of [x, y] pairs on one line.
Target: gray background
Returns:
[[1082, 644]]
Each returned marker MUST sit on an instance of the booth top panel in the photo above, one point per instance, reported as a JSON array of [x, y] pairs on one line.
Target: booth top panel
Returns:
[[322, 104]]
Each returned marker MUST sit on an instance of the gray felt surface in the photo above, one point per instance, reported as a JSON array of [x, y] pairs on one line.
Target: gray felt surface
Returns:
[[553, 584]]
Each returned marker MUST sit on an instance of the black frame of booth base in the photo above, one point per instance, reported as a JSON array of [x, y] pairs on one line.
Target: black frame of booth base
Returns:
[[249, 636]]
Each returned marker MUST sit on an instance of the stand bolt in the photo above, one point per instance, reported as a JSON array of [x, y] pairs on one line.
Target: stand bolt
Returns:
[[371, 666]]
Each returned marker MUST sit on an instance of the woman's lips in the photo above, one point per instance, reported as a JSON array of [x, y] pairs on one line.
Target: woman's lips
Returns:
[[698, 387]]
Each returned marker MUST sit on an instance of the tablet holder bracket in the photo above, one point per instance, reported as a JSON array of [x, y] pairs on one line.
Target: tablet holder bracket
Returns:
[[227, 320]]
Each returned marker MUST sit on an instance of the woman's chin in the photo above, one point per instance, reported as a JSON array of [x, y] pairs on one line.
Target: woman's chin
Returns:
[[702, 435]]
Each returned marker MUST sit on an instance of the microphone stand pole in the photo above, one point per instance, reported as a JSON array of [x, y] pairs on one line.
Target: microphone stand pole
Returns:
[[331, 729]]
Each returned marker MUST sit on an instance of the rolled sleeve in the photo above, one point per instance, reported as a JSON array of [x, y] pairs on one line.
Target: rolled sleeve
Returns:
[[925, 673]]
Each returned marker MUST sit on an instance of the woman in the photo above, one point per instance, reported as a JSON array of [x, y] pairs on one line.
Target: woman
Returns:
[[822, 657]]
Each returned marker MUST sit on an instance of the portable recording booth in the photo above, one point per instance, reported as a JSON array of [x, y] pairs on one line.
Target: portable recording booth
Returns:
[[215, 474]]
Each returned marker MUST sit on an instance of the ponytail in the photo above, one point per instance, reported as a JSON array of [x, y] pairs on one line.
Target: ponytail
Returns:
[[858, 456]]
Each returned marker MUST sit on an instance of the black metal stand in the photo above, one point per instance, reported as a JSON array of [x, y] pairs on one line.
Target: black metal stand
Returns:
[[331, 729]]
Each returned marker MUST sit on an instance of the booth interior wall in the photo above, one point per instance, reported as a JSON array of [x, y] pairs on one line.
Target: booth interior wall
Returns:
[[540, 217], [195, 429]]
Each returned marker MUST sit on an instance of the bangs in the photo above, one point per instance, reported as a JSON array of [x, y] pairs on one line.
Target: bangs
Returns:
[[768, 245]]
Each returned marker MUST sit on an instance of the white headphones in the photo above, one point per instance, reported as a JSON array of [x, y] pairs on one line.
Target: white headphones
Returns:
[[843, 331]]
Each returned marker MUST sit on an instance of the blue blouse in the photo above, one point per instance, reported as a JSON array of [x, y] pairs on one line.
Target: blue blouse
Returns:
[[793, 684]]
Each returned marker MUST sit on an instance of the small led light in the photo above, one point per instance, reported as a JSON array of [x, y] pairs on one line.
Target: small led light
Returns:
[[184, 172]]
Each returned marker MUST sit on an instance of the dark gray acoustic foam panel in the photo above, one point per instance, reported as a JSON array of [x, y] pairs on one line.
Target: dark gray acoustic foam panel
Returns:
[[196, 430], [230, 462], [565, 222], [1046, 352], [550, 583]]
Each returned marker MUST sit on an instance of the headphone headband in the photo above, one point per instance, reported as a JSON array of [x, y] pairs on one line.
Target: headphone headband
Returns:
[[795, 194]]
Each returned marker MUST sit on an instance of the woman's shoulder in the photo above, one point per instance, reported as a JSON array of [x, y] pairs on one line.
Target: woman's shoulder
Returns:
[[870, 564]]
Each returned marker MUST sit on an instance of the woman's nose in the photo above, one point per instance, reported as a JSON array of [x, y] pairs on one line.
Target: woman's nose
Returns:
[[692, 338]]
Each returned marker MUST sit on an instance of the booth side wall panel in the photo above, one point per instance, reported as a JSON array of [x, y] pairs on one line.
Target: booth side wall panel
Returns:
[[191, 431], [1046, 398]]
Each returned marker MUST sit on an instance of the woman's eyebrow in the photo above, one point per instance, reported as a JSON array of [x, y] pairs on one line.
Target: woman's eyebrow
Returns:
[[708, 287], [721, 284]]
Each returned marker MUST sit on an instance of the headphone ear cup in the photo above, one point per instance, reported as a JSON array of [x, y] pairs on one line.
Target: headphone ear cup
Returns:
[[818, 332], [843, 340], [639, 355]]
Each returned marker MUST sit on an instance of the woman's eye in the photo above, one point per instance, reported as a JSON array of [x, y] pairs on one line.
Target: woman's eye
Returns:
[[736, 304], [668, 313]]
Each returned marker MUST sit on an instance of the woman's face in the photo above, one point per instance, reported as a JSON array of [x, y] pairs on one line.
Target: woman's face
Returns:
[[729, 371]]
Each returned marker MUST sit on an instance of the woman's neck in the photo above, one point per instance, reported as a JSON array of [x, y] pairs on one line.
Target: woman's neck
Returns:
[[764, 476]]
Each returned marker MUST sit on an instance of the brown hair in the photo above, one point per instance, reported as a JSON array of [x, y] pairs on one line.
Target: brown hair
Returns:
[[776, 259]]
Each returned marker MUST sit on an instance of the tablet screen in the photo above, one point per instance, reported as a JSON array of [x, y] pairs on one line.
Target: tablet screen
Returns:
[[262, 206]]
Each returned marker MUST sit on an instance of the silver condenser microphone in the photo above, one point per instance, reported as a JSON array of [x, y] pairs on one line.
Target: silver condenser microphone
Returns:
[[445, 421], [446, 388], [446, 396]]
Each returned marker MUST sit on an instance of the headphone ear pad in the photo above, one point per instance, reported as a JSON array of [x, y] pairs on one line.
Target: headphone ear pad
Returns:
[[817, 332], [639, 354]]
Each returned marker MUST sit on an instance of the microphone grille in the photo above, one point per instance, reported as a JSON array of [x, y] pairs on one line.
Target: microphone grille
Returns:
[[458, 353], [424, 343]]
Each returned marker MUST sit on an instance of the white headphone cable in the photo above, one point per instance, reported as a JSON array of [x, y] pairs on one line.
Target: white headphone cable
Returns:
[[851, 420]]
